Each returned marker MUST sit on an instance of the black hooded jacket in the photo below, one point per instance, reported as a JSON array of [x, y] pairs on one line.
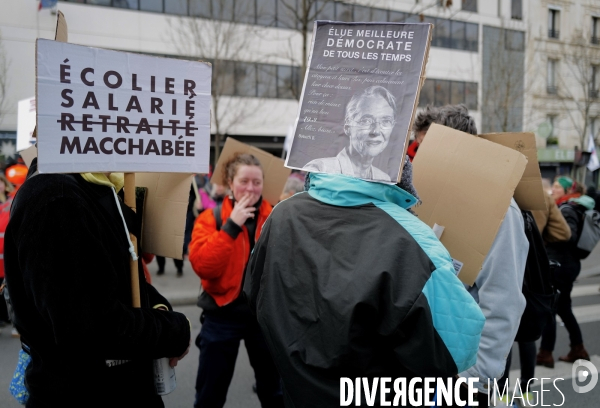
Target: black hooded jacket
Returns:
[[67, 267]]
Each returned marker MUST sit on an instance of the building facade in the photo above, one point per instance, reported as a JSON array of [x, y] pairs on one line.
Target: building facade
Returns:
[[257, 48], [562, 98]]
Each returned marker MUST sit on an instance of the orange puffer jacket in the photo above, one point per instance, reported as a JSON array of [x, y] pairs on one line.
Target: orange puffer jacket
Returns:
[[217, 258]]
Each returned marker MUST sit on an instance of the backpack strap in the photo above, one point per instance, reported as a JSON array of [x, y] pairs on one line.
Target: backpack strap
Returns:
[[217, 214]]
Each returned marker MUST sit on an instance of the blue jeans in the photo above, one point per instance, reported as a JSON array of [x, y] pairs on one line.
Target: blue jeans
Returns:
[[219, 341]]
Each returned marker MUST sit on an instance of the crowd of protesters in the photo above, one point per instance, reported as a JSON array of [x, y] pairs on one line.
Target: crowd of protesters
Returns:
[[340, 279]]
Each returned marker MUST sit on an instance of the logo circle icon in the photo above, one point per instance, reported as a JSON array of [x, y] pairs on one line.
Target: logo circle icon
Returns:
[[582, 370]]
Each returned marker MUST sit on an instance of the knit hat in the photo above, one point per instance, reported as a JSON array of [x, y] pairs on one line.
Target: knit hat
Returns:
[[565, 182], [584, 201]]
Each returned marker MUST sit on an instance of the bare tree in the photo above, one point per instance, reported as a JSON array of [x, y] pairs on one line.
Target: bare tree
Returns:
[[218, 37], [3, 80], [578, 89], [504, 80]]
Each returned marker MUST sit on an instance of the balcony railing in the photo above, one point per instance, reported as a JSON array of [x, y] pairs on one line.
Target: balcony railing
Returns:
[[595, 40], [551, 89], [552, 33], [594, 93]]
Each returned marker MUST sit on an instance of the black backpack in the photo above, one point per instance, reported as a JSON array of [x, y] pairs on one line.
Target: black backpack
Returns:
[[538, 289], [589, 229]]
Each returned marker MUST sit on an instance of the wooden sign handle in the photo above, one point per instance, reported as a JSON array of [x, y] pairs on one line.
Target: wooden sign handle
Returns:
[[129, 190]]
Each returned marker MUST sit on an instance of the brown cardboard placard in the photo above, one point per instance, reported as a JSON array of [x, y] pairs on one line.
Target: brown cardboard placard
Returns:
[[465, 184], [276, 174], [61, 28], [29, 154], [529, 193], [164, 212]]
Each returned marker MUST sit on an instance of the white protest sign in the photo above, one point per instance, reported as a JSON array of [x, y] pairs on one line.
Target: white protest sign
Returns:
[[100, 110], [25, 123]]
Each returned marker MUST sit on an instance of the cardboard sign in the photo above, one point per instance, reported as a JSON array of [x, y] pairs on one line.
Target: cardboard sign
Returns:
[[359, 98], [275, 172], [28, 155], [165, 212], [529, 193], [62, 29], [465, 184], [100, 110], [25, 123]]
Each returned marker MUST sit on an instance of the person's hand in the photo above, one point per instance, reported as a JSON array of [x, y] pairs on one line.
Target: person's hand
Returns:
[[242, 210], [174, 360]]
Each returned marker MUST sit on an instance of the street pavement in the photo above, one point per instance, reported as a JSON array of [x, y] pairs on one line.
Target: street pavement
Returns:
[[183, 292]]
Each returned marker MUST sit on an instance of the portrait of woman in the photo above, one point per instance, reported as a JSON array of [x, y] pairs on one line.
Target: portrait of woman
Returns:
[[369, 120]]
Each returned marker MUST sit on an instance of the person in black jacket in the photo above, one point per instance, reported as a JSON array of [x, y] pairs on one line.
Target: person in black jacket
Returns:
[[67, 267], [345, 282], [566, 254]]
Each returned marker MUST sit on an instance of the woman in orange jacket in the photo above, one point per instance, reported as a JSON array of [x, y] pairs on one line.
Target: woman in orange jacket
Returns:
[[222, 240]]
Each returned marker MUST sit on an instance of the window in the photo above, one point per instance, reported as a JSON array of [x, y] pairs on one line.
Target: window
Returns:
[[457, 92], [245, 79], [265, 12], [266, 76], [128, 4], [458, 35], [516, 9], [151, 5], [397, 17], [244, 11], [223, 10], [454, 34], [440, 92], [596, 30], [200, 8], [426, 97], [326, 10], [285, 82], [514, 40], [471, 95], [297, 82], [99, 2], [412, 18], [551, 77], [225, 82], [472, 37], [552, 121], [442, 31], [553, 23], [343, 12], [362, 13], [469, 5], [178, 7], [595, 81], [286, 14]]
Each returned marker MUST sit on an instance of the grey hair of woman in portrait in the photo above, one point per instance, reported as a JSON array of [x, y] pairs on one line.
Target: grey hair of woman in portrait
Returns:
[[369, 121]]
